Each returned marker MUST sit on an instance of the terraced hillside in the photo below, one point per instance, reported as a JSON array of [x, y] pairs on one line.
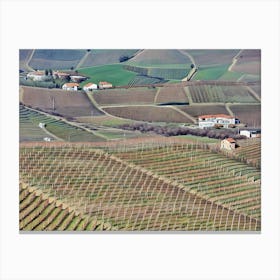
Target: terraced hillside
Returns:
[[39, 212], [169, 187], [249, 151], [210, 94], [54, 128], [215, 177], [56, 59], [68, 104], [106, 56]]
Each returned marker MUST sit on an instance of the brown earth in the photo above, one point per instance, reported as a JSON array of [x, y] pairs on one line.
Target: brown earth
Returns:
[[68, 104]]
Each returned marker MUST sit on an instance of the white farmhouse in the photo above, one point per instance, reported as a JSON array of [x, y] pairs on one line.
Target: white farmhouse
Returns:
[[228, 144], [89, 86], [251, 133], [223, 120], [37, 76], [70, 86]]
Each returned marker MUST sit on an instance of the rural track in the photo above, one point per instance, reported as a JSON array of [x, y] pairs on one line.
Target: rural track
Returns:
[[66, 121], [152, 105], [234, 61], [52, 135], [156, 96], [253, 93], [137, 53], [229, 110], [92, 100], [193, 70], [83, 59], [28, 61], [184, 113]]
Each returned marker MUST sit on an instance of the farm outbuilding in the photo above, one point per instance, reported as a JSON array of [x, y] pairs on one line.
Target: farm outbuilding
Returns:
[[37, 76], [223, 120], [70, 86], [251, 133], [61, 75], [104, 84], [228, 144], [89, 86], [78, 78]]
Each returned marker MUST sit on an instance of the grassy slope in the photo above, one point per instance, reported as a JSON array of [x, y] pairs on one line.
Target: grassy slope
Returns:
[[159, 57], [210, 72], [113, 73], [106, 56]]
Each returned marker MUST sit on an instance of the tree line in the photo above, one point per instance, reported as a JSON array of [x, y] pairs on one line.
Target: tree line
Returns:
[[175, 131]]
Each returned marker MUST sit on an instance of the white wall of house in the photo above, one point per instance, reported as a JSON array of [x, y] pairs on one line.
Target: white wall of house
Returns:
[[250, 133], [210, 122], [226, 145], [75, 88], [91, 87], [246, 133]]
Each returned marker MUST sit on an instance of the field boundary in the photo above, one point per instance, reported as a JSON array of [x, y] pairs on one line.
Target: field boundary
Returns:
[[234, 61], [253, 93]]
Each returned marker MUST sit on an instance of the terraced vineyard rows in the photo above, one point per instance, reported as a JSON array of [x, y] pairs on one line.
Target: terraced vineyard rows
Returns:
[[197, 110], [143, 80], [104, 187], [148, 113], [39, 212], [30, 119], [172, 95], [213, 93], [250, 151], [125, 96], [224, 181]]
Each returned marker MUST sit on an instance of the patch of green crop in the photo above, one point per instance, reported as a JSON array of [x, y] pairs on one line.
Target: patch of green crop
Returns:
[[114, 74], [211, 72]]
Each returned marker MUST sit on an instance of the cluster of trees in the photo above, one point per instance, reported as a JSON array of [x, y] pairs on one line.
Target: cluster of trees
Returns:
[[46, 84], [175, 131], [124, 58], [48, 72]]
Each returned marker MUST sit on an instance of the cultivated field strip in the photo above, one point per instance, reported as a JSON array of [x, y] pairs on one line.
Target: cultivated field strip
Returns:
[[172, 95], [30, 130], [127, 196], [213, 93], [213, 176], [40, 212]]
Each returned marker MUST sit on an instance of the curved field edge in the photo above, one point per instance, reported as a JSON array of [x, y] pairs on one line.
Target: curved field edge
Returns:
[[228, 219], [41, 212]]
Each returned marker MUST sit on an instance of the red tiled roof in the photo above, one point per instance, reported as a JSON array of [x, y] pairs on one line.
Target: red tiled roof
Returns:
[[216, 116], [38, 73], [71, 85], [61, 74], [104, 83], [231, 140], [89, 84]]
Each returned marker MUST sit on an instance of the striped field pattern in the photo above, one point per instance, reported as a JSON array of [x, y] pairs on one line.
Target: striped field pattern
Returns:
[[161, 188]]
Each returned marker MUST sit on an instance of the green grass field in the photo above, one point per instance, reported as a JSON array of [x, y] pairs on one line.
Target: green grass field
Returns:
[[211, 72], [113, 73], [231, 76]]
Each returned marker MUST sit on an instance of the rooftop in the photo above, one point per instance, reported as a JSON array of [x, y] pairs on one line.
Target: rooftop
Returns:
[[71, 85], [104, 83], [216, 116], [231, 140], [38, 73], [89, 84]]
